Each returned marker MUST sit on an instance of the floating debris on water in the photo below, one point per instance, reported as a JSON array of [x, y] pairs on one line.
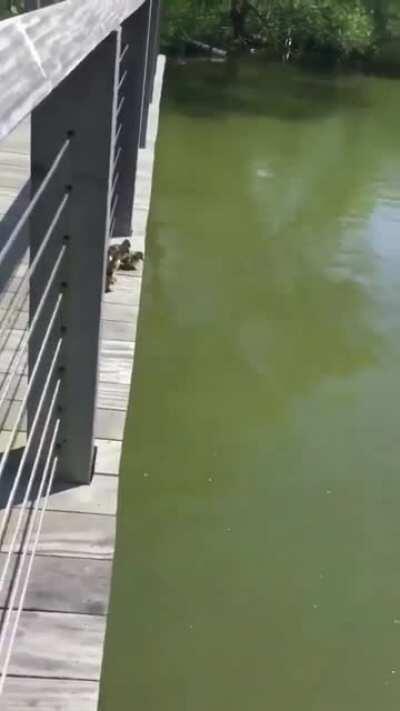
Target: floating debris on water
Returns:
[[315, 606], [396, 621], [328, 492], [394, 671], [146, 475], [210, 479], [264, 173]]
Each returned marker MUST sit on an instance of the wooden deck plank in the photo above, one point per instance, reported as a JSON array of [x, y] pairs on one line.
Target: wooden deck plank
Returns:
[[50, 695], [128, 295], [118, 331], [114, 370], [9, 413], [110, 424], [17, 387], [118, 312], [64, 585], [108, 457], [78, 656], [99, 497], [19, 440], [113, 396], [21, 322], [75, 535]]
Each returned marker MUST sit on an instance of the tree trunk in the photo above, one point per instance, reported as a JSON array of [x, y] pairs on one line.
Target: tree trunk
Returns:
[[239, 12]]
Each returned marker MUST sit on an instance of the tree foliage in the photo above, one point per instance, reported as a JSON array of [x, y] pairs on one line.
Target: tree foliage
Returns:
[[8, 8], [289, 27]]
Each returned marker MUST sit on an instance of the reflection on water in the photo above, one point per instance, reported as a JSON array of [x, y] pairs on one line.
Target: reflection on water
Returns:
[[257, 563]]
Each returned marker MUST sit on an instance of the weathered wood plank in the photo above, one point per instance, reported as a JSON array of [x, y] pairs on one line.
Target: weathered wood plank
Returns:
[[70, 534], [119, 312], [50, 695], [115, 370], [21, 322], [8, 302], [110, 424], [113, 396], [17, 387], [116, 361], [108, 457], [60, 645], [9, 413], [126, 295], [19, 441], [100, 497], [63, 585], [118, 330], [139, 224]]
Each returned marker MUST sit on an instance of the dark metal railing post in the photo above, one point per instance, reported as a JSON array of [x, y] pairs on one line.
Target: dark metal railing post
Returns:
[[132, 85], [151, 65], [82, 110]]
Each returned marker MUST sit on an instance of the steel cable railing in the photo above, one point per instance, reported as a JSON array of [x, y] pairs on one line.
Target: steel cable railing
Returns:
[[50, 462], [122, 80], [27, 213], [122, 77], [30, 484], [42, 304], [6, 325]]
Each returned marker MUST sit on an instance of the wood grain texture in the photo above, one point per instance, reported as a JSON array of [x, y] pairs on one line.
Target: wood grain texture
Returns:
[[63, 585], [123, 293], [60, 645], [118, 330], [99, 497], [39, 49], [108, 457], [110, 424], [113, 396], [119, 312], [50, 695], [74, 535], [116, 362]]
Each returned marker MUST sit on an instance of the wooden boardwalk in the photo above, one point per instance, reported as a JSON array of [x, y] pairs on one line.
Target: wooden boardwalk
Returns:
[[57, 657]]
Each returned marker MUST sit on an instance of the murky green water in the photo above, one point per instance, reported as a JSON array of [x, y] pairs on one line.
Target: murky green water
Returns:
[[258, 564]]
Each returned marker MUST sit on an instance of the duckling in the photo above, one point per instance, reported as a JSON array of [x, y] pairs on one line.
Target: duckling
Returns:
[[113, 264], [129, 259]]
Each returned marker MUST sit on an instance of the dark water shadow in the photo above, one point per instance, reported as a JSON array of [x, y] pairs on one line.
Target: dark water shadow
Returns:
[[256, 88]]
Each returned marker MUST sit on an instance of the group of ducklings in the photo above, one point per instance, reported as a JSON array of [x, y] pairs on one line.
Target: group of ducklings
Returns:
[[120, 256]]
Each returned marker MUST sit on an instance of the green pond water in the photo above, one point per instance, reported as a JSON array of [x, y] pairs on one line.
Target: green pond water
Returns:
[[258, 554]]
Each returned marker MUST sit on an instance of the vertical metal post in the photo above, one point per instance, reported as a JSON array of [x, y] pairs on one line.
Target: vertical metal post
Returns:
[[135, 39], [156, 52], [151, 63], [83, 106]]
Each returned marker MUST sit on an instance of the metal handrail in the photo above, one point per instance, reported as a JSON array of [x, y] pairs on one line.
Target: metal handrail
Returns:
[[46, 45]]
